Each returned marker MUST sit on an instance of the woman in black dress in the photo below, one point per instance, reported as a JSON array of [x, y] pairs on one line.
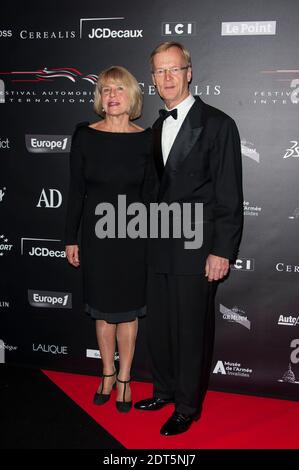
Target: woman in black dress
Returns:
[[109, 158]]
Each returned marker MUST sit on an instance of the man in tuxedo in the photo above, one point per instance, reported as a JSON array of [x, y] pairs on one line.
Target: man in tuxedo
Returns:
[[198, 160]]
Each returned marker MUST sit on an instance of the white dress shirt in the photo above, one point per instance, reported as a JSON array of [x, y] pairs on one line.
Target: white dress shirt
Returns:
[[172, 126]]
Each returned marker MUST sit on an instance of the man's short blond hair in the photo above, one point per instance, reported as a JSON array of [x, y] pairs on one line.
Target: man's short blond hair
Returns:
[[121, 76], [164, 46]]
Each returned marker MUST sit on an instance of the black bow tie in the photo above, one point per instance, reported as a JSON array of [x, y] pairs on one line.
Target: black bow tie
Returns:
[[165, 114]]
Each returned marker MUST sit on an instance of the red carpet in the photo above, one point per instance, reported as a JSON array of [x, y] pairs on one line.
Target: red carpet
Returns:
[[229, 421]]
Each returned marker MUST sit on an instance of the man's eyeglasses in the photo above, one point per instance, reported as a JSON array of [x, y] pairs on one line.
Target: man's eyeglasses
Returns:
[[171, 70]]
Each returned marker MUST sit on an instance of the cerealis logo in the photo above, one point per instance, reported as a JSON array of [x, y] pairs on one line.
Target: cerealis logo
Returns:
[[107, 28], [179, 29], [48, 143]]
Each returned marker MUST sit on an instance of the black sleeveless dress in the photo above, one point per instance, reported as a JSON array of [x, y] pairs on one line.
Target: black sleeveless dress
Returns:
[[104, 165]]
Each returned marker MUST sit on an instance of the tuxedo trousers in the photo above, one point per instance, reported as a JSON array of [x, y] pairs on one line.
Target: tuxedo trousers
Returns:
[[180, 333]]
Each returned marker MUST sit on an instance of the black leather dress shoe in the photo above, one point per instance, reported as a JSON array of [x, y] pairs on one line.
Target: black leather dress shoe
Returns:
[[177, 423], [152, 404]]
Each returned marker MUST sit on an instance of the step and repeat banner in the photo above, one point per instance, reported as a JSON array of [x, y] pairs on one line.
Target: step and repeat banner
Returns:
[[245, 62]]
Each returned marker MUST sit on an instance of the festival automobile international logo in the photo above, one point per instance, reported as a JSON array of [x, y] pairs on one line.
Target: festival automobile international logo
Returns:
[[45, 75], [107, 28], [278, 87], [57, 85]]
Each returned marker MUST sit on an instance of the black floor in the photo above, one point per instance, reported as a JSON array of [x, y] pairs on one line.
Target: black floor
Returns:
[[35, 414]]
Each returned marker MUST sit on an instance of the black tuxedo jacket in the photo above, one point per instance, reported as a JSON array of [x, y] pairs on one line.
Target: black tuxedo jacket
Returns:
[[204, 165]]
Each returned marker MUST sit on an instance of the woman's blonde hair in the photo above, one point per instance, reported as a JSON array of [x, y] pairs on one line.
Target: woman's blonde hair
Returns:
[[119, 75]]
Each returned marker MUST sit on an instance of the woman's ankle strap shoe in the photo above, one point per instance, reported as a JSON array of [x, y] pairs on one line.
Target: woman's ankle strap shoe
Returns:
[[99, 397], [123, 406]]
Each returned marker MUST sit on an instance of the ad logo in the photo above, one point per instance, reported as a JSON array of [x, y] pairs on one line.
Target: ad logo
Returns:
[[49, 201]]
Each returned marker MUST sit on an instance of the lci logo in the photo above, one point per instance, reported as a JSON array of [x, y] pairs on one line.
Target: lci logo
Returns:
[[179, 29], [243, 264]]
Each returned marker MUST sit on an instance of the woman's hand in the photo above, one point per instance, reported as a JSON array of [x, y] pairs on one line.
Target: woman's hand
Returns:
[[72, 254]]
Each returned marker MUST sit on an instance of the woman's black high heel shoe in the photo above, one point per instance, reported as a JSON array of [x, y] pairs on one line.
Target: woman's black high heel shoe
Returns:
[[101, 398], [123, 406]]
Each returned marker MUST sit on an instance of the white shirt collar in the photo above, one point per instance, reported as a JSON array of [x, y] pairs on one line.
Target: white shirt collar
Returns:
[[184, 106]]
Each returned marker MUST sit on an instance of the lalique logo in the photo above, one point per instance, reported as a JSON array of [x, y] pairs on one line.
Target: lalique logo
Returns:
[[50, 349]]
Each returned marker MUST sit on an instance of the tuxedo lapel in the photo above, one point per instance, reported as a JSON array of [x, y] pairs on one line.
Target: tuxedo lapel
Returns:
[[184, 141], [158, 157]]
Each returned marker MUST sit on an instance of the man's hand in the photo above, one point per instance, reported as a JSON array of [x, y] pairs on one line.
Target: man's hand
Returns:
[[72, 254], [216, 267]]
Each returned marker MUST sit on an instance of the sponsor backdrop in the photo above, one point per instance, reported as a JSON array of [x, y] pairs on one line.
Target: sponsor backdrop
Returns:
[[243, 63]]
